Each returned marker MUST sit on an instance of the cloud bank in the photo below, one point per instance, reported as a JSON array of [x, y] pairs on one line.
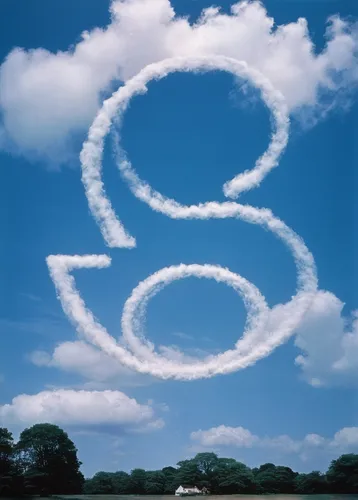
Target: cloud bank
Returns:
[[329, 342], [344, 440], [69, 407], [81, 358], [62, 91]]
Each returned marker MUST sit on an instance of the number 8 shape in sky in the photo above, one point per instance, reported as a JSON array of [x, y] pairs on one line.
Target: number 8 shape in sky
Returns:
[[265, 328]]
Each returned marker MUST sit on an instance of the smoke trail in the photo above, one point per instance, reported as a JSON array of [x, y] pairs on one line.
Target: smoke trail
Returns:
[[91, 154], [149, 362], [265, 328], [135, 309]]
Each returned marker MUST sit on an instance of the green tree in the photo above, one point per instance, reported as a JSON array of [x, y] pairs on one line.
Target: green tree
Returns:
[[137, 481], [234, 477], [7, 462], [206, 462], [155, 483], [188, 473], [275, 479], [50, 460], [170, 475], [120, 481], [6, 451], [314, 482], [221, 464], [285, 479], [265, 478], [100, 484], [342, 475]]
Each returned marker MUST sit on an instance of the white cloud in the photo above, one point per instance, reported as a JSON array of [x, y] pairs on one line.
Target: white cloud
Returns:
[[61, 92], [225, 436], [153, 425], [89, 362], [329, 342], [344, 440], [69, 407]]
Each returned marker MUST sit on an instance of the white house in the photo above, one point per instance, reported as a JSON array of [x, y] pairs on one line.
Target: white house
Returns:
[[184, 491]]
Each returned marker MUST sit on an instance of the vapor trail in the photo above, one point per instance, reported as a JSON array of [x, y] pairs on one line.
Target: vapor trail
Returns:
[[265, 328], [91, 154]]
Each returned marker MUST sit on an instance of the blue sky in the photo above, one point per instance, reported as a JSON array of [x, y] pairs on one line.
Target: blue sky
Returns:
[[187, 136]]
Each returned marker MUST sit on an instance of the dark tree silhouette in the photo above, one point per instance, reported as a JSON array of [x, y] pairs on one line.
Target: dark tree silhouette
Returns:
[[49, 460], [342, 475], [313, 483]]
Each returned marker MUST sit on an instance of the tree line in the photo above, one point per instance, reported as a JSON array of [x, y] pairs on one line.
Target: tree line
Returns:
[[226, 476], [44, 462]]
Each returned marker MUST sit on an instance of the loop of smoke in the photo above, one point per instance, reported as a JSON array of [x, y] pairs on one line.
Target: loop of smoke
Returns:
[[91, 154], [135, 309], [265, 328]]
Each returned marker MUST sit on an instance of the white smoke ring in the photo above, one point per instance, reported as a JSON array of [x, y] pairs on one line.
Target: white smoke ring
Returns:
[[91, 154], [135, 309], [245, 181], [262, 334]]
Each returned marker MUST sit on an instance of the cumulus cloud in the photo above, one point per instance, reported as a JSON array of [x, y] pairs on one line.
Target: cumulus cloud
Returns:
[[225, 436], [70, 407], [344, 440], [329, 342], [100, 369], [91, 363], [61, 92]]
